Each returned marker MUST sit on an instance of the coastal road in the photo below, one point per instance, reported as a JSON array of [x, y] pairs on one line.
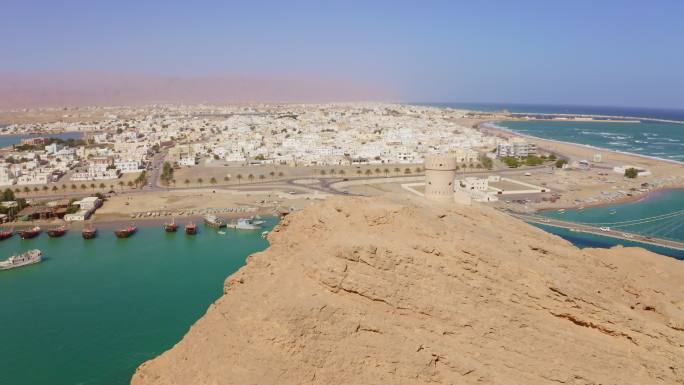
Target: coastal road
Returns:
[[611, 233]]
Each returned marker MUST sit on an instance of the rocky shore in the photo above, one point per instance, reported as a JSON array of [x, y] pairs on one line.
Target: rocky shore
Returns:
[[369, 291]]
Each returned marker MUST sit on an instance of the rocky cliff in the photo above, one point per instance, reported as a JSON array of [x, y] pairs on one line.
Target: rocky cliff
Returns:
[[362, 291]]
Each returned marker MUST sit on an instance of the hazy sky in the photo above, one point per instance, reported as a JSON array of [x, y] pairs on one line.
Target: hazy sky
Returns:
[[601, 52]]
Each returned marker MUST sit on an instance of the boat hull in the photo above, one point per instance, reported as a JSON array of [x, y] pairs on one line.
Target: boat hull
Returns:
[[5, 235], [170, 228], [191, 230], [89, 234], [56, 233], [29, 234]]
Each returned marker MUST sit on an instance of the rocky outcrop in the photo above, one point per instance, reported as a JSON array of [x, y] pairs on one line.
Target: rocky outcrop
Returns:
[[367, 291]]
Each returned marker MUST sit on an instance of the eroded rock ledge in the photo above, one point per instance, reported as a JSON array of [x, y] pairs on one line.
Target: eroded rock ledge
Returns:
[[366, 291]]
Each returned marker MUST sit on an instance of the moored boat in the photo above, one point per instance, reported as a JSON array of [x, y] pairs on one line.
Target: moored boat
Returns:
[[28, 258], [191, 228], [89, 232], [244, 224], [214, 221], [30, 233], [57, 232], [171, 227], [125, 232], [4, 234]]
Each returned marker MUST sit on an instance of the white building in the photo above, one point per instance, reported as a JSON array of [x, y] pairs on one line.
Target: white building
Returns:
[[127, 166]]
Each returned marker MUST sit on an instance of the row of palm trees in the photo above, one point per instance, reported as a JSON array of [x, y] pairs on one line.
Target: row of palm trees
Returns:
[[378, 171], [239, 178]]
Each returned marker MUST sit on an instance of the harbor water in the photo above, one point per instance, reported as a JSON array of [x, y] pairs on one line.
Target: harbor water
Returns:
[[10, 140], [660, 215], [94, 310]]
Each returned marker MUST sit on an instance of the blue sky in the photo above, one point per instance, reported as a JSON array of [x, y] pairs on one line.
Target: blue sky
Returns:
[[625, 53]]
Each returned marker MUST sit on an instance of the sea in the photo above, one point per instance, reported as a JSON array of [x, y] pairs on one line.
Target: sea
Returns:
[[655, 139], [94, 310], [10, 140]]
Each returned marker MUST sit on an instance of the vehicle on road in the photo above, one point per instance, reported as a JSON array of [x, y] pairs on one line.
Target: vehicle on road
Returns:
[[627, 235], [604, 228]]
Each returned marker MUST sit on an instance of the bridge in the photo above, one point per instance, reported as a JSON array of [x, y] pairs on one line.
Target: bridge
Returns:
[[652, 230]]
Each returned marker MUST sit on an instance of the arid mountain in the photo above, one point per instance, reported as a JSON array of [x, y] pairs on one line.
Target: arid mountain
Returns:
[[369, 291]]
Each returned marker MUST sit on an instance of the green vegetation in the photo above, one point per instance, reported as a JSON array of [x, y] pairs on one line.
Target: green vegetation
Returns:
[[631, 173], [560, 163], [511, 161], [533, 160], [486, 162], [167, 173]]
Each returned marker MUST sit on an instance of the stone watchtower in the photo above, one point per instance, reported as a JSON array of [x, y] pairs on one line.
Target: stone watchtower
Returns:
[[440, 171]]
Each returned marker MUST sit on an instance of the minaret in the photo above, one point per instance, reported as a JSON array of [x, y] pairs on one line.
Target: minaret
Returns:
[[440, 172]]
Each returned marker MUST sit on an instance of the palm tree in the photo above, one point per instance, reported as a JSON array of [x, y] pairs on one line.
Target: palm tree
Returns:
[[239, 177], [102, 186], [378, 171], [200, 180], [261, 176], [368, 171], [17, 190], [92, 186], [212, 180], [187, 182], [272, 174], [386, 171], [332, 171], [418, 169], [27, 190], [397, 170], [341, 172], [323, 172], [45, 187], [250, 177], [73, 186], [35, 189], [130, 184], [359, 172], [280, 174], [226, 179], [121, 184], [407, 170], [55, 188], [64, 186]]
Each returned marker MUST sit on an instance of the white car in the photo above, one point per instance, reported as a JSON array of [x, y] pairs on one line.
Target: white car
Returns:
[[627, 235], [605, 228]]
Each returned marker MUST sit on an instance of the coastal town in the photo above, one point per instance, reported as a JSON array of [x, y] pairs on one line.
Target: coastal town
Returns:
[[279, 157]]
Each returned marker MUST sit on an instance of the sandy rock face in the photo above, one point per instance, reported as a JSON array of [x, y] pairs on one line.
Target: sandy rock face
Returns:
[[366, 291]]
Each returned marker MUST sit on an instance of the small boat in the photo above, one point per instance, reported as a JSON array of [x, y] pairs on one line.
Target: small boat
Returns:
[[612, 212], [244, 224], [214, 221], [561, 211], [171, 227], [28, 258], [57, 232], [89, 232], [264, 234], [30, 233], [126, 232], [222, 232], [191, 228], [4, 234]]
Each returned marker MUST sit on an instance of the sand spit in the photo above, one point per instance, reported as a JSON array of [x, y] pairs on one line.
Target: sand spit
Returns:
[[368, 291]]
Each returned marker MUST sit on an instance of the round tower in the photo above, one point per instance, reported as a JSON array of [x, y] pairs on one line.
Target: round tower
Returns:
[[440, 171]]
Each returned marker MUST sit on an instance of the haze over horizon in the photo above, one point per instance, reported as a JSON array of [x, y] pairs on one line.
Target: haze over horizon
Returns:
[[612, 53]]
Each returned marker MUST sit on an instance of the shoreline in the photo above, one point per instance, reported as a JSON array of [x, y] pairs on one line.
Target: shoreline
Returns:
[[492, 125]]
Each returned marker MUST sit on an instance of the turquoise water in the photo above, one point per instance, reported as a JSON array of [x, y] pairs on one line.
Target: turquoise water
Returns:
[[662, 140], [9, 140], [95, 310], [665, 210]]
